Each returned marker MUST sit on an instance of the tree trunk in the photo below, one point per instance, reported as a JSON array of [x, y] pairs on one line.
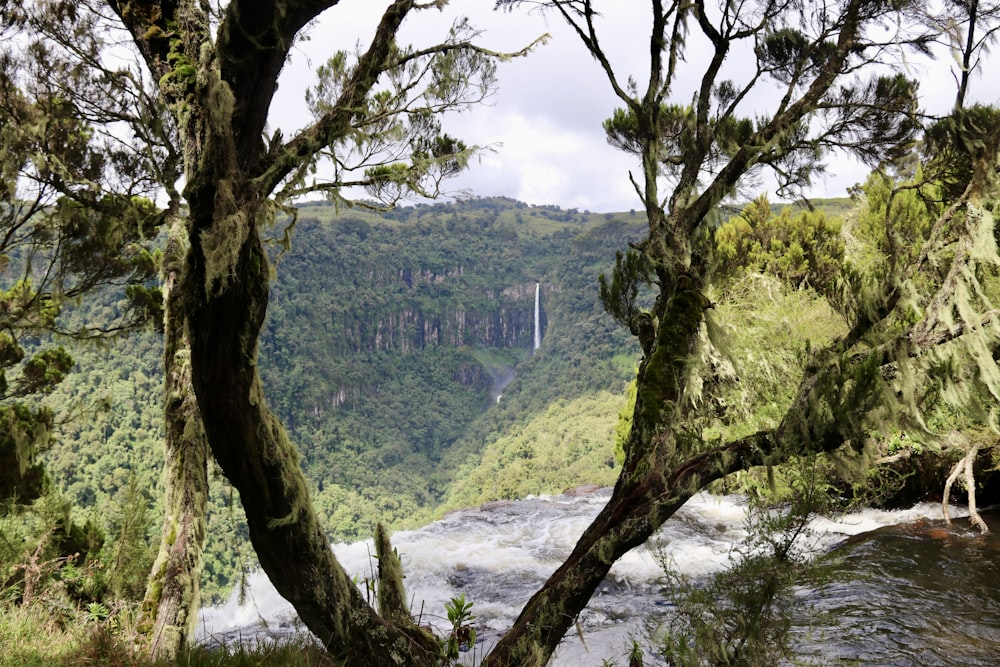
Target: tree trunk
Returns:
[[219, 88], [649, 489], [253, 449], [170, 608], [662, 472]]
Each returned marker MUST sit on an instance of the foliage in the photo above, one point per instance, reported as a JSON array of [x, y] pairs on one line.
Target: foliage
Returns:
[[129, 555], [742, 615], [462, 633], [33, 637], [745, 389], [894, 219], [44, 549], [621, 294], [961, 149], [77, 216], [393, 116], [76, 224], [799, 249], [567, 445], [624, 423]]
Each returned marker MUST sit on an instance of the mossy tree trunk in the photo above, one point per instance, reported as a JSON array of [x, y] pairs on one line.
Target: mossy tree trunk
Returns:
[[219, 88], [170, 608], [256, 455], [857, 382], [664, 464]]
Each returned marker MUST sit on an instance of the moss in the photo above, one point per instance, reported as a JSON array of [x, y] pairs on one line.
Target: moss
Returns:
[[182, 77], [661, 383], [284, 456], [391, 594], [171, 536], [223, 241], [156, 588], [153, 32]]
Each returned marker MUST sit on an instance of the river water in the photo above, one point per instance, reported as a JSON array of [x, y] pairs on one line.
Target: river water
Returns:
[[909, 590]]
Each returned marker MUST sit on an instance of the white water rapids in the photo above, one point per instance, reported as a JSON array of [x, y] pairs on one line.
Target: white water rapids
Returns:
[[499, 554]]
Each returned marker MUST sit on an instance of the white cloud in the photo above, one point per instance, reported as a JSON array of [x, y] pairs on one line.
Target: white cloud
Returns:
[[549, 109], [542, 162]]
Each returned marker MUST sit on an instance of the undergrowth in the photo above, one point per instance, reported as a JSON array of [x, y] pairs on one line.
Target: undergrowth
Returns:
[[31, 636]]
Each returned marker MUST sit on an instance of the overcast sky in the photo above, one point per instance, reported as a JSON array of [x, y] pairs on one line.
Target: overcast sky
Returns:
[[545, 121]]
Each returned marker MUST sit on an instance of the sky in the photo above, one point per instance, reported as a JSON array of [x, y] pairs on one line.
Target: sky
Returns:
[[544, 123]]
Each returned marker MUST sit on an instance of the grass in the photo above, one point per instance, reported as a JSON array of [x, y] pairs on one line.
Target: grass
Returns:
[[39, 636]]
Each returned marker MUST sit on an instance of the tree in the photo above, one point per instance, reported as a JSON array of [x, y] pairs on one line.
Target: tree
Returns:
[[814, 61], [804, 249], [76, 226], [206, 82], [107, 149], [64, 236]]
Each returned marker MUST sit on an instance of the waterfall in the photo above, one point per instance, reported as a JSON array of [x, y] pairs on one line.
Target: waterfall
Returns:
[[538, 321]]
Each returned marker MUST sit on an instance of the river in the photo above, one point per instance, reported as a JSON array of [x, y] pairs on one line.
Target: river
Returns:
[[908, 590]]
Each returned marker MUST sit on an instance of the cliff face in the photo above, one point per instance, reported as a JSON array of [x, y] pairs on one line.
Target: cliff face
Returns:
[[385, 332], [413, 323], [403, 299]]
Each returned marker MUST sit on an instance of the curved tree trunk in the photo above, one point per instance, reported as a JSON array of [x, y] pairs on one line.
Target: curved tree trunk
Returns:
[[219, 87], [254, 451], [650, 490], [653, 483], [170, 607]]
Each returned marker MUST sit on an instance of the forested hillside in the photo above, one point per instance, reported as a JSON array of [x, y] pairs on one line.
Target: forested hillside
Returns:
[[389, 339], [398, 352]]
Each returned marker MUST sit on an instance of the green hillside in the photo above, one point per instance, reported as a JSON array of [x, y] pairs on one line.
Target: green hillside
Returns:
[[386, 332], [388, 340]]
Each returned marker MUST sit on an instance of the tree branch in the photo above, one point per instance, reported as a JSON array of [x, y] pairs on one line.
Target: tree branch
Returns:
[[336, 123]]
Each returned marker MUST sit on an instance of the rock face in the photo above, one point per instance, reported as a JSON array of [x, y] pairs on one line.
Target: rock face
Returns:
[[479, 320], [408, 308], [390, 337], [379, 287]]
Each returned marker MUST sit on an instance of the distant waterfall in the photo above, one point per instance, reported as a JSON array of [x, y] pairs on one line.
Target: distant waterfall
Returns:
[[538, 321]]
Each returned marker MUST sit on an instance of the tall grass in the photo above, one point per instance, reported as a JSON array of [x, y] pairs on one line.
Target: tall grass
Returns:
[[37, 636]]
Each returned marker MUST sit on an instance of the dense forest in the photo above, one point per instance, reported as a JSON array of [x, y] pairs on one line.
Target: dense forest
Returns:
[[387, 341], [389, 333]]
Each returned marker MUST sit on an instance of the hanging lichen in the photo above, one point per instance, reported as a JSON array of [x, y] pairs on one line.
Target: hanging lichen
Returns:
[[223, 241]]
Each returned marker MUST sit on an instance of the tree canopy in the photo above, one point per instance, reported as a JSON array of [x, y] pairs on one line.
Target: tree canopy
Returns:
[[75, 221]]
